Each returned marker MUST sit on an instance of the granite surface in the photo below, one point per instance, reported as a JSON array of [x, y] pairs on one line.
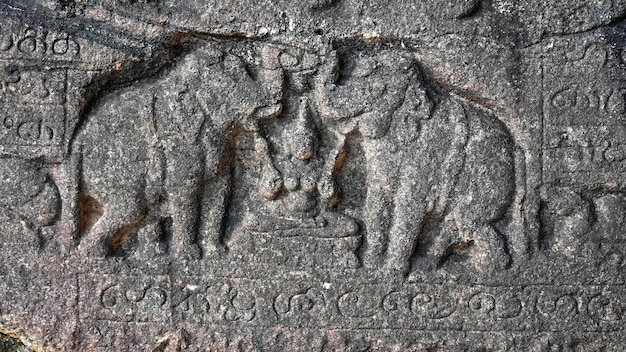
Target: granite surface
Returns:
[[322, 175]]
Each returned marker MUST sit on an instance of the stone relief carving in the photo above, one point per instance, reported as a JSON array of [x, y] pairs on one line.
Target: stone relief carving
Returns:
[[296, 213], [31, 202], [439, 170], [433, 161], [173, 142], [241, 190]]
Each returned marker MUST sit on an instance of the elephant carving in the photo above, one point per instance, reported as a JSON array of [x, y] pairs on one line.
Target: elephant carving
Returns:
[[30, 202], [439, 171], [168, 141]]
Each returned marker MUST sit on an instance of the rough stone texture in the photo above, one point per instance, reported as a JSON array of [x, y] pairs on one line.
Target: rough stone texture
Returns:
[[322, 175], [9, 344]]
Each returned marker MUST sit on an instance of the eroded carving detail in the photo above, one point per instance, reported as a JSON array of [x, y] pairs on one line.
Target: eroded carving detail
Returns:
[[30, 203], [173, 142], [258, 183], [434, 163]]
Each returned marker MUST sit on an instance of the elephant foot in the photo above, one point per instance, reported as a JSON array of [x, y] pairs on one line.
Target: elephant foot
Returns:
[[97, 251], [501, 261], [372, 260], [148, 250], [490, 261], [150, 244], [374, 253], [397, 269], [429, 263], [497, 257], [213, 251], [188, 252], [431, 275]]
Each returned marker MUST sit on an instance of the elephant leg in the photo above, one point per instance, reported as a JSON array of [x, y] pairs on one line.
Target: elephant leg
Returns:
[[184, 211], [485, 191], [403, 240], [149, 237], [213, 206], [213, 196], [378, 203], [496, 247], [378, 207], [121, 216], [409, 220], [183, 184], [438, 244]]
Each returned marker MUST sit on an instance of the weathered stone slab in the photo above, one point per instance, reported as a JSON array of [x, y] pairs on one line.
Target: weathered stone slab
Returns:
[[325, 175]]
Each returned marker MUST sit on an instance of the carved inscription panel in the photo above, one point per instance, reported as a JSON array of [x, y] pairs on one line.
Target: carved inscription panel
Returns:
[[585, 106], [173, 180]]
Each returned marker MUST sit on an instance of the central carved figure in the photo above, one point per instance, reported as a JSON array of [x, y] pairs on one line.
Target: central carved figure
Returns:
[[292, 225]]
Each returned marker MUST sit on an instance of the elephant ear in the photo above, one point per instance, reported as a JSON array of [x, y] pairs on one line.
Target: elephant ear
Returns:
[[407, 118]]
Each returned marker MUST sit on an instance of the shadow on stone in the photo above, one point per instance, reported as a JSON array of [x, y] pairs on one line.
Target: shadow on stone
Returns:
[[10, 344]]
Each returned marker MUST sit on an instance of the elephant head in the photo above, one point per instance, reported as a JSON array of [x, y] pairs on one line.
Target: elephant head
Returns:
[[369, 90], [226, 91]]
